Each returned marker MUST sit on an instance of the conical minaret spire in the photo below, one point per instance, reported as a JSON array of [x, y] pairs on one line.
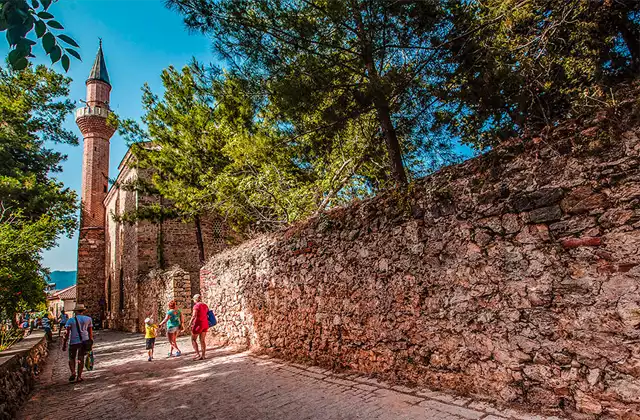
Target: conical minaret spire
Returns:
[[99, 69]]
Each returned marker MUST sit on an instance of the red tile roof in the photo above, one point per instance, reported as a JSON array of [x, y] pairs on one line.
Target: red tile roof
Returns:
[[66, 294]]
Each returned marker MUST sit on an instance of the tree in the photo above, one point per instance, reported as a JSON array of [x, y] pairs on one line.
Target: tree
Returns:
[[531, 64], [214, 147], [19, 18], [22, 277], [356, 60], [35, 209]]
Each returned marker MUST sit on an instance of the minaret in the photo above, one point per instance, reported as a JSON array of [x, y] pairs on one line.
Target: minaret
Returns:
[[92, 121]]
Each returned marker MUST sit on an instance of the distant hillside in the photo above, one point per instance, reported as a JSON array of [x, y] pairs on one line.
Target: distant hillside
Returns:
[[63, 279]]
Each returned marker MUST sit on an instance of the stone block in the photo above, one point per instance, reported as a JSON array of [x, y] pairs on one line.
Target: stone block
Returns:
[[545, 214]]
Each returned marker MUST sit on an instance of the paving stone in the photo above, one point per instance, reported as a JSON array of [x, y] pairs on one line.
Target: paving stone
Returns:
[[404, 389], [339, 381], [318, 369], [366, 387], [452, 409], [441, 396], [313, 374]]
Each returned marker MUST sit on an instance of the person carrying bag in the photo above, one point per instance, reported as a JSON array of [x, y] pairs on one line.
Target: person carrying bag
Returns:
[[79, 335]]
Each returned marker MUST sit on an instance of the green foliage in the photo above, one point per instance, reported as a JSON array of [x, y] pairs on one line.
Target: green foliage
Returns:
[[325, 101], [22, 278], [18, 18], [212, 148], [35, 209], [424, 72], [523, 65], [333, 68], [8, 337]]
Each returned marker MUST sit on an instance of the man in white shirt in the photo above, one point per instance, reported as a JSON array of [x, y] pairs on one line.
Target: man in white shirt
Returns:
[[79, 332]]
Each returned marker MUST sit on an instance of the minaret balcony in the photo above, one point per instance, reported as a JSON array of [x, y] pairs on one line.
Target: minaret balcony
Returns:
[[89, 111]]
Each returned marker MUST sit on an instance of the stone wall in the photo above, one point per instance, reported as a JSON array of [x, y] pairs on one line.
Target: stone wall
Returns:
[[514, 276], [19, 366], [158, 289]]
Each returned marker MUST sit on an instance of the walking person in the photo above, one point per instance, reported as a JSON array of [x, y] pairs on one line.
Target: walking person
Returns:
[[175, 324], [46, 324], [25, 326], [62, 321], [79, 335], [150, 334], [199, 327]]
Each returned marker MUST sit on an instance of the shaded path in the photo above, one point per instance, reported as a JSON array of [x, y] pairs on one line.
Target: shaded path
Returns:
[[229, 385]]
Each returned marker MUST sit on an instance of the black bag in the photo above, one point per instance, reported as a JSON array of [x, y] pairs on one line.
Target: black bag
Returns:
[[87, 345]]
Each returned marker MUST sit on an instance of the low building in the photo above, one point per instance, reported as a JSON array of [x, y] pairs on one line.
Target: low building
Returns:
[[59, 300]]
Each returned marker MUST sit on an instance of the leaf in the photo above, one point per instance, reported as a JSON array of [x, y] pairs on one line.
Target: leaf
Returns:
[[69, 40], [45, 15], [48, 42], [74, 53], [14, 35], [35, 4], [55, 54], [55, 24], [46, 4], [41, 28], [15, 55], [29, 23], [65, 62], [27, 41], [21, 64]]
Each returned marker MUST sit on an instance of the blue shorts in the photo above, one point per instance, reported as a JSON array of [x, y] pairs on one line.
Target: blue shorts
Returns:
[[151, 342]]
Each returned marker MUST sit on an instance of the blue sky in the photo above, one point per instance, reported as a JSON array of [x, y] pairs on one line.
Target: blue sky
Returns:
[[140, 39]]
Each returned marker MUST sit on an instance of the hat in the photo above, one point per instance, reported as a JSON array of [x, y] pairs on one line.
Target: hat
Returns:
[[147, 321], [196, 297], [79, 307]]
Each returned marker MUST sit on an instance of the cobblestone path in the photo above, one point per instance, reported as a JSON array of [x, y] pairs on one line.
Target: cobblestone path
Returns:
[[228, 385]]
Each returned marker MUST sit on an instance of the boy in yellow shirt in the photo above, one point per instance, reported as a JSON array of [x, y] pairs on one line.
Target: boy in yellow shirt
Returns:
[[150, 334]]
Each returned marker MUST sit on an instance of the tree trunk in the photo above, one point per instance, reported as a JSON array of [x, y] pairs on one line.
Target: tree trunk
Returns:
[[391, 140], [383, 109], [199, 240]]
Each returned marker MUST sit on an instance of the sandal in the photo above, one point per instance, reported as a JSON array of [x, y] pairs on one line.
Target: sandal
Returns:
[[79, 380], [178, 353], [72, 378], [170, 354]]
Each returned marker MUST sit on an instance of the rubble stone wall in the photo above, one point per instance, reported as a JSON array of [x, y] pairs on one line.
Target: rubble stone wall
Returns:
[[19, 367], [158, 288], [514, 276]]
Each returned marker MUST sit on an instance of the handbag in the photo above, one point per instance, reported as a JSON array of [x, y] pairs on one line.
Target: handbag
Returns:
[[89, 360], [211, 318], [87, 345]]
